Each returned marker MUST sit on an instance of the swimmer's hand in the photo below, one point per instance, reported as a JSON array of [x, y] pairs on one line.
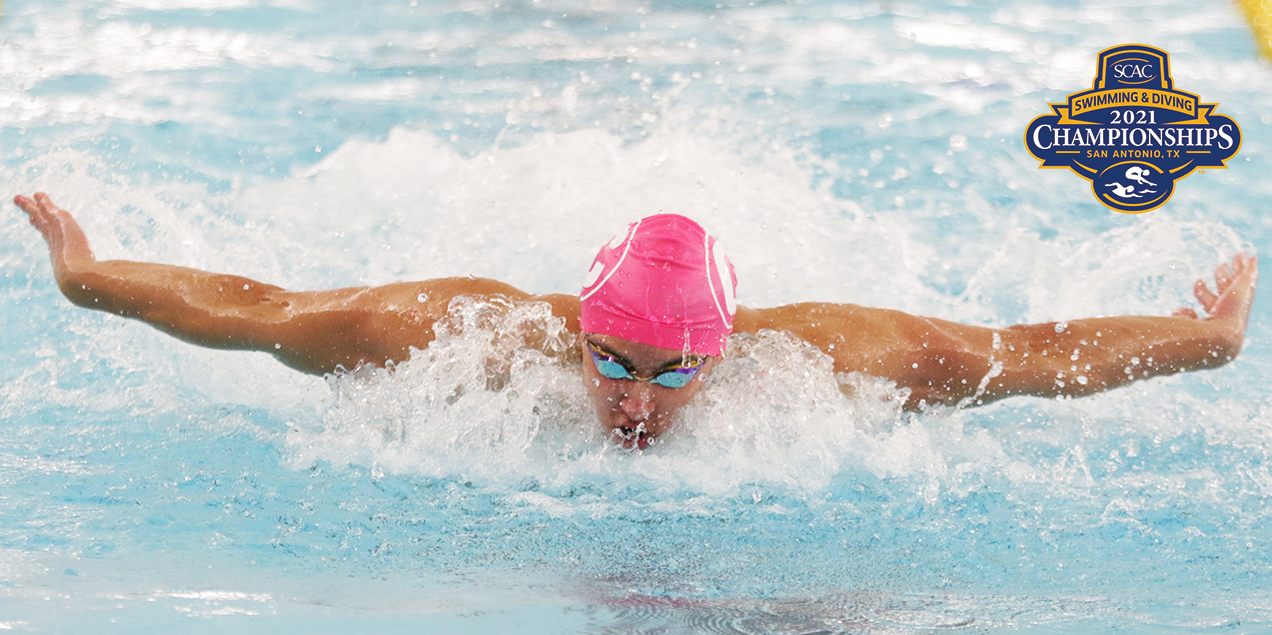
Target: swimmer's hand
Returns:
[[1230, 306], [68, 246]]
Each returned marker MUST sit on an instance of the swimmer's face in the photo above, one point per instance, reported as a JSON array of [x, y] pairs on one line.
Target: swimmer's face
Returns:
[[634, 413]]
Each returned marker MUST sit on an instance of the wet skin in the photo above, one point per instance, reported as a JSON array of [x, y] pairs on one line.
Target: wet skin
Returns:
[[634, 413], [939, 362]]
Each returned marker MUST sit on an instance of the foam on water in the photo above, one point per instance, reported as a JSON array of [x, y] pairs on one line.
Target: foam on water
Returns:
[[772, 413], [532, 215]]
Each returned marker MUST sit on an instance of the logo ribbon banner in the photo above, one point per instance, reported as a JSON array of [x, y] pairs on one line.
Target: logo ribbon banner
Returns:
[[1133, 134]]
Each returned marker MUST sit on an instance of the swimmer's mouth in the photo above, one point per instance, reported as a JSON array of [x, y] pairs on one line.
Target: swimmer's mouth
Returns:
[[632, 438]]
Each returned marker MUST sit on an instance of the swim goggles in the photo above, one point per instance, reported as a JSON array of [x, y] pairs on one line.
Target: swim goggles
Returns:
[[611, 366]]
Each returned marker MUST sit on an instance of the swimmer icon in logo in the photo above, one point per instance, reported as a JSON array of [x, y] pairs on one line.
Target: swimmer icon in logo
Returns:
[[1133, 187], [1137, 173]]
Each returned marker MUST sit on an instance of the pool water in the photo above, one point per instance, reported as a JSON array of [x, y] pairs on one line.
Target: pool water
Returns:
[[842, 151]]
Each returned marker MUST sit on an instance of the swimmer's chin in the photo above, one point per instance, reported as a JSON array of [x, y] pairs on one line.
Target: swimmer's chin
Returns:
[[632, 438]]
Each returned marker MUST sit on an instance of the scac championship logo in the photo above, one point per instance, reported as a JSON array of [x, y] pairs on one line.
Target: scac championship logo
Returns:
[[1133, 135]]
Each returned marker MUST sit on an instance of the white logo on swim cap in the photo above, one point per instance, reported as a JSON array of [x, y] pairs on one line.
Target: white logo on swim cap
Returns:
[[726, 281], [593, 274], [598, 266]]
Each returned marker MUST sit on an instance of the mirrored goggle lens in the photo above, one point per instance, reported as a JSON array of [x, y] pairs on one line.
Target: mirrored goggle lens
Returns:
[[609, 368], [676, 378]]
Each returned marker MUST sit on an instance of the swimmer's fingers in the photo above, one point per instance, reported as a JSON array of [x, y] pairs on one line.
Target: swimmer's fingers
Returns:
[[36, 210], [66, 240], [1185, 313], [1234, 283], [1224, 274], [42, 214], [1204, 296]]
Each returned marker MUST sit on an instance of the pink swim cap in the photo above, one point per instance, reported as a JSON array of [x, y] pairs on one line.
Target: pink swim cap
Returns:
[[662, 283]]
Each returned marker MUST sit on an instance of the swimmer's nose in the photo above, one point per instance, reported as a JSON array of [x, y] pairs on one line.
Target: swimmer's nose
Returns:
[[638, 403]]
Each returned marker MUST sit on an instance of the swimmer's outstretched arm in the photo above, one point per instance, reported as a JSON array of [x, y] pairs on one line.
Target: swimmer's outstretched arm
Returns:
[[945, 363], [315, 332], [940, 362]]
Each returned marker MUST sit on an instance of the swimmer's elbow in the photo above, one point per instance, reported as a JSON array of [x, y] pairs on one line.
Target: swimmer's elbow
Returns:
[[1226, 345], [82, 289], [330, 342]]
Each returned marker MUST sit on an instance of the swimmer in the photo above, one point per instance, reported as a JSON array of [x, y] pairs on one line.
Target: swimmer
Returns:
[[652, 322], [1137, 173], [1125, 191]]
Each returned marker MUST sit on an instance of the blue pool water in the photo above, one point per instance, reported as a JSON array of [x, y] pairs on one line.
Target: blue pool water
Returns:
[[852, 152]]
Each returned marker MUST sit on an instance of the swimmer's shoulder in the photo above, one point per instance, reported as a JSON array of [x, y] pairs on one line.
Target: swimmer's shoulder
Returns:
[[446, 289], [399, 316], [565, 306], [433, 297], [803, 316]]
